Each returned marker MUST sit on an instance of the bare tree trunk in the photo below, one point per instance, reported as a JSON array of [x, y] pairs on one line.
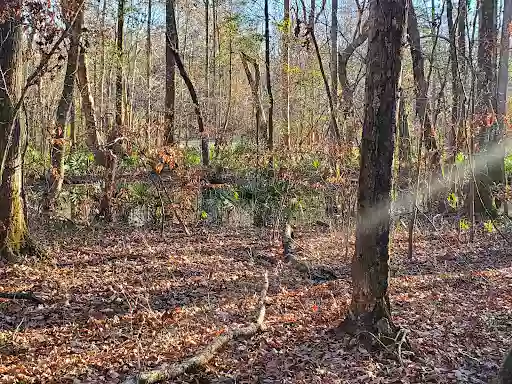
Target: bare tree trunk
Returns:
[[285, 75], [503, 82], [72, 123], [334, 124], [205, 155], [119, 69], [334, 56], [421, 83], [58, 148], [148, 74], [254, 84], [461, 47], [270, 121], [456, 85], [370, 309], [170, 78], [207, 58], [14, 236], [486, 103], [347, 90], [214, 98]]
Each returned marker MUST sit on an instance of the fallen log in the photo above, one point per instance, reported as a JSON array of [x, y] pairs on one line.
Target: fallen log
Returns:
[[166, 372], [29, 296]]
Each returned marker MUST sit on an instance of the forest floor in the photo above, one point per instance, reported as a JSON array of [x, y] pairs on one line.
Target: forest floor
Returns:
[[120, 300]]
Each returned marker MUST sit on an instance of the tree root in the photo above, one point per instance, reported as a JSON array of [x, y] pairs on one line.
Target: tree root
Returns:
[[29, 249], [166, 372], [29, 296]]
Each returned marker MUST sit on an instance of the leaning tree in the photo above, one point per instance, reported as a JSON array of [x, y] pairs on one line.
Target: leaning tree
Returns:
[[370, 309]]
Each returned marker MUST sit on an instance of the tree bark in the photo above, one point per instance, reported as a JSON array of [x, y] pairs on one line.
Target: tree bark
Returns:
[[58, 147], [503, 84], [148, 74], [486, 104], [347, 90], [456, 85], [420, 82], [334, 55], [254, 84], [335, 132], [104, 154], [270, 121], [205, 154], [170, 77], [370, 308], [461, 48], [285, 75], [14, 239], [119, 69]]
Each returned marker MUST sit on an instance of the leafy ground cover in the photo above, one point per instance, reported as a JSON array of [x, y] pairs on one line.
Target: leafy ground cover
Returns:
[[119, 300]]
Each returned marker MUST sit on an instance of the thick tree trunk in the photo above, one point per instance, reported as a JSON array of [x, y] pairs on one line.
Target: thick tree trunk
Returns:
[[486, 104], [370, 308], [56, 173], [14, 239], [170, 71]]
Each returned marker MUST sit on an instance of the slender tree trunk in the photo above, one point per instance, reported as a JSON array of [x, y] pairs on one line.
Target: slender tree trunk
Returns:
[[205, 155], [456, 84], [170, 79], [72, 124], [503, 81], [102, 64], [254, 84], [94, 140], [421, 82], [207, 58], [334, 56], [370, 309], [335, 132], [58, 147], [14, 238], [270, 121], [461, 47], [119, 69], [214, 98], [347, 90], [285, 75], [148, 74]]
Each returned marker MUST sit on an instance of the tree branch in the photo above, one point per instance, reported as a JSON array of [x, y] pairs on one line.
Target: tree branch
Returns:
[[171, 372]]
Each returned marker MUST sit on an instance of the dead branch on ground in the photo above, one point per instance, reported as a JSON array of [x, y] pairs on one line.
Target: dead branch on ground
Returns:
[[29, 296], [166, 372]]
